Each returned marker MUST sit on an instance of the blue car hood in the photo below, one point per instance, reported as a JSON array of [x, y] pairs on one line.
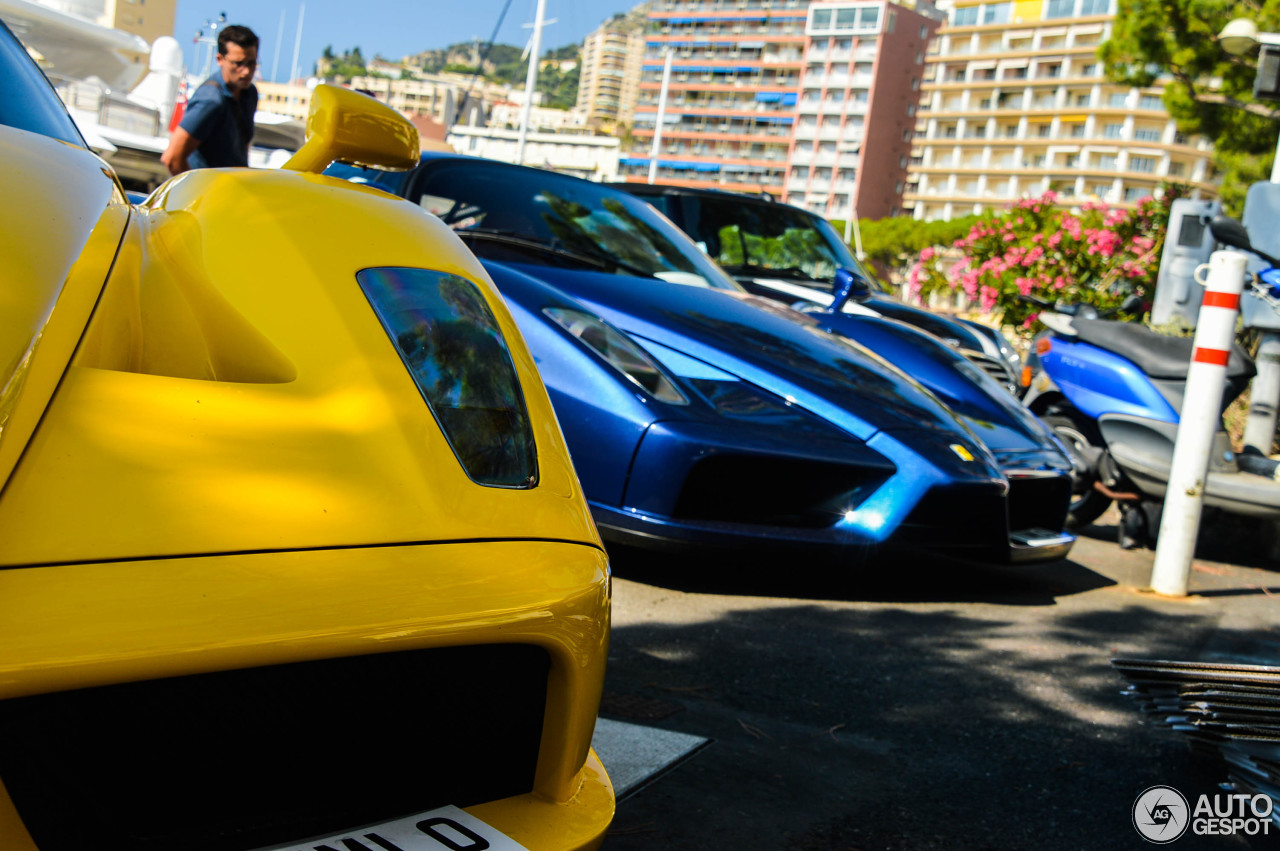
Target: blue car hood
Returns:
[[1005, 425], [773, 347]]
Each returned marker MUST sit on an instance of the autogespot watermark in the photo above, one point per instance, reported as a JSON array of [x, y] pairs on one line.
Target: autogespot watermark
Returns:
[[1162, 815]]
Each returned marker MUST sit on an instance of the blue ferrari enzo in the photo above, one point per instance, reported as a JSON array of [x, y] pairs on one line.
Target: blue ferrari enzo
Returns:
[[697, 413]]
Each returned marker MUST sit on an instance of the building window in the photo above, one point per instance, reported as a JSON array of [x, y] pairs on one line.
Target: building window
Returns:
[[1118, 99], [1107, 162], [1136, 193], [1177, 169], [997, 13], [1150, 102], [1143, 165], [1113, 131], [1146, 134], [965, 17], [1095, 7], [1059, 8]]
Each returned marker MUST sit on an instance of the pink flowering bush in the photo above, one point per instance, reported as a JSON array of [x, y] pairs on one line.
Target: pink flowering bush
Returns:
[[1094, 254]]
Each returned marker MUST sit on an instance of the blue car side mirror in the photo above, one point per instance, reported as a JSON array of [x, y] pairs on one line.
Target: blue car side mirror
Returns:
[[849, 285]]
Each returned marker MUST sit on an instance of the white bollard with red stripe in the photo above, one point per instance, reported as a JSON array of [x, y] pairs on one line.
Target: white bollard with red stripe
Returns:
[[1206, 379]]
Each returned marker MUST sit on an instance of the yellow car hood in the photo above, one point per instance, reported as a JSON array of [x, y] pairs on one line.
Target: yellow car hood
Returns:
[[60, 227], [235, 392]]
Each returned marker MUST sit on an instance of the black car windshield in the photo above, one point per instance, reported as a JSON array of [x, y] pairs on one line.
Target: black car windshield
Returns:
[[547, 217], [757, 239]]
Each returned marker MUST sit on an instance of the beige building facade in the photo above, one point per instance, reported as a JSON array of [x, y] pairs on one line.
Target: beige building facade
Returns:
[[1015, 104], [612, 62], [147, 18]]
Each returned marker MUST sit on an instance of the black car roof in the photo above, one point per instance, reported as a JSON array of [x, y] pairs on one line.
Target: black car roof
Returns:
[[668, 189]]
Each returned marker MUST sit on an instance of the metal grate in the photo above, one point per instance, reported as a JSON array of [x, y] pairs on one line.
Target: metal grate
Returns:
[[1227, 711]]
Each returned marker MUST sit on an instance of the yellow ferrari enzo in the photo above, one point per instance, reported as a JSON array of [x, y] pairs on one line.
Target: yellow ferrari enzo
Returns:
[[292, 554]]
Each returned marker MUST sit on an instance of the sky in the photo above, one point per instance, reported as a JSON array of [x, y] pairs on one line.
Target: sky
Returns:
[[390, 28]]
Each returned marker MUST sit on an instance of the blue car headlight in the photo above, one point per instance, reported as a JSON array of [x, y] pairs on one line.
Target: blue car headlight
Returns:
[[728, 394], [619, 351]]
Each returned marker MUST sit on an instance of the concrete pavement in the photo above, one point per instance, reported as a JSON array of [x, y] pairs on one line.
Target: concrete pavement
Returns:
[[918, 705]]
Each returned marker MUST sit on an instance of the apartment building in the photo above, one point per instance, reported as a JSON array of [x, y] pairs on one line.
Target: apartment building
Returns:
[[585, 155], [1015, 104], [863, 67], [609, 82], [731, 106], [445, 100], [147, 18]]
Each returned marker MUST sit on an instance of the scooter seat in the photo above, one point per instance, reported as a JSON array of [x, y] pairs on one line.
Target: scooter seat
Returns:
[[1157, 355]]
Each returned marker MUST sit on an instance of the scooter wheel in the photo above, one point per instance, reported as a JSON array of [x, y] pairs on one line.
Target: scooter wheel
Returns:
[[1087, 503]]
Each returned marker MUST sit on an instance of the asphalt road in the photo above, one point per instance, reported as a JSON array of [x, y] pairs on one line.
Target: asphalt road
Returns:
[[917, 705]]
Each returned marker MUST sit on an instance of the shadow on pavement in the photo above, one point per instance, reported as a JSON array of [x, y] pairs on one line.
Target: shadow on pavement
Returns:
[[842, 726], [819, 576], [1224, 538]]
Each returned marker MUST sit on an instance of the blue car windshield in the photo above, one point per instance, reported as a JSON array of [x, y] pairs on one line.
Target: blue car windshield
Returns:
[[567, 219], [27, 101]]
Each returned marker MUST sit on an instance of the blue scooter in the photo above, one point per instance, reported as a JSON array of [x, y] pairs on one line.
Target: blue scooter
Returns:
[[1112, 391]]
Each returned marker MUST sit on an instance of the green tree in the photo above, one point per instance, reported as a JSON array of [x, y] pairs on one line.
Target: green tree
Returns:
[[344, 67], [892, 244], [1208, 92]]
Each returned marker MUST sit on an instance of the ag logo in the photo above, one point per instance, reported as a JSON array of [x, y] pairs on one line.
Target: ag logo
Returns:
[[1161, 814]]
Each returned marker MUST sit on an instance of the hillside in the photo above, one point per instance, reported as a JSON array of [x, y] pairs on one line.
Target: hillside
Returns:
[[503, 64]]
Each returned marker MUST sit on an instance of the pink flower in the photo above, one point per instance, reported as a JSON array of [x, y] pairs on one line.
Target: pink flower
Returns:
[[988, 297], [1029, 321], [926, 253], [913, 281]]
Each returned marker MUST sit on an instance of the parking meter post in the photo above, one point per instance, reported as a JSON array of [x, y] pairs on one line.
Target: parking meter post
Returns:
[[1206, 379], [1264, 392]]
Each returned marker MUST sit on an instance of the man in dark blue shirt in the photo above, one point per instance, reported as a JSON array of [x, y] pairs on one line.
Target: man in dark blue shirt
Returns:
[[217, 126]]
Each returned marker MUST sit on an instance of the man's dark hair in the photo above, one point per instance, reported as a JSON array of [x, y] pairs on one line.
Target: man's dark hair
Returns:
[[236, 34]]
